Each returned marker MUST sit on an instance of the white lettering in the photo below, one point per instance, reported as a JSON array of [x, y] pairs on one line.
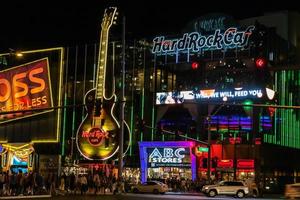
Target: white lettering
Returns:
[[177, 153], [170, 155], [168, 152], [195, 41]]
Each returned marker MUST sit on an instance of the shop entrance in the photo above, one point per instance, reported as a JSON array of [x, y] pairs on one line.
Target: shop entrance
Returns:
[[169, 173]]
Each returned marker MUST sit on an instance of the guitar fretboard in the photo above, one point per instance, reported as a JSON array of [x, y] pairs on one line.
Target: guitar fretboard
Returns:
[[102, 58], [101, 65]]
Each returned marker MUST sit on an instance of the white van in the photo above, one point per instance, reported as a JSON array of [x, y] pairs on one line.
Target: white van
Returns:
[[292, 191]]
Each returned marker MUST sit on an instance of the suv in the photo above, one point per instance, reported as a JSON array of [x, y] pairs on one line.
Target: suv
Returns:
[[237, 188]]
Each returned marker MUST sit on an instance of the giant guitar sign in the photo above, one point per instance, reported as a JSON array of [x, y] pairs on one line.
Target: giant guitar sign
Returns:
[[97, 136]]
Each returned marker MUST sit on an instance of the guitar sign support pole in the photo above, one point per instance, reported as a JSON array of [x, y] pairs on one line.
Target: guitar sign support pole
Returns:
[[120, 160]]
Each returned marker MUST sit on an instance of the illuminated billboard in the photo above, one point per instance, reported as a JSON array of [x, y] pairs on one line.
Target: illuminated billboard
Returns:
[[180, 97], [196, 42], [169, 157], [166, 154], [24, 88], [31, 96]]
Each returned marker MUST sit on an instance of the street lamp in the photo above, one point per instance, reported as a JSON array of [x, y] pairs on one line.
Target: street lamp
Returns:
[[208, 118]]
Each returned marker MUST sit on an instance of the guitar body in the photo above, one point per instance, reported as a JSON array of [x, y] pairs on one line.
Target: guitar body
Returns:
[[98, 134]]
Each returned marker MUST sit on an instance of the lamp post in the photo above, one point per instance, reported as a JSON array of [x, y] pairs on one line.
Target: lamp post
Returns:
[[121, 138], [208, 118]]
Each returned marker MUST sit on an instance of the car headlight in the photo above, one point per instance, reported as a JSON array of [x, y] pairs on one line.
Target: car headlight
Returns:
[[205, 188]]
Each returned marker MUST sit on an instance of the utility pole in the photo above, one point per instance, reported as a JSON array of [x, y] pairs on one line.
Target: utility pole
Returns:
[[208, 118], [121, 135], [209, 149]]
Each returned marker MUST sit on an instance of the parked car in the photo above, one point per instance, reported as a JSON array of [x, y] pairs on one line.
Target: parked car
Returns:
[[155, 187], [237, 188], [292, 191]]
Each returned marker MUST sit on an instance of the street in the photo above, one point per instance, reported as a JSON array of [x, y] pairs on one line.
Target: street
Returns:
[[130, 196]]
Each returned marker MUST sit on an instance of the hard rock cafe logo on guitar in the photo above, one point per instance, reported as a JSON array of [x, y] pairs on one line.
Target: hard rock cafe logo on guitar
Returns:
[[95, 136]]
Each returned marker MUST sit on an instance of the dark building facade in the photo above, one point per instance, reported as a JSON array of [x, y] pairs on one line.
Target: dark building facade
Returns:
[[216, 67]]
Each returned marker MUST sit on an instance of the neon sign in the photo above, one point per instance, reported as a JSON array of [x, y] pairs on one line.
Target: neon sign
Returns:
[[212, 94], [95, 136], [245, 163], [167, 155], [25, 87], [195, 42]]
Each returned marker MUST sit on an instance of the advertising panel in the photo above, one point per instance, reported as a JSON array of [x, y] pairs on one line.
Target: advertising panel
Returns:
[[169, 157], [180, 97], [25, 88], [30, 97]]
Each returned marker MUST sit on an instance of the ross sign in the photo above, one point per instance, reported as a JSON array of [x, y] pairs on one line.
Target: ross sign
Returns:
[[169, 157], [29, 94], [25, 87], [206, 94], [196, 42]]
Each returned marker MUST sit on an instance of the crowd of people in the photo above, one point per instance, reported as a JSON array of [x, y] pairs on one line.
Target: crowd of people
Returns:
[[33, 183], [12, 184]]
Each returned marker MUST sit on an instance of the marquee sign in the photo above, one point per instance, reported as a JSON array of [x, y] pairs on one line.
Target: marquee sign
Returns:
[[169, 157], [25, 87], [209, 94], [196, 42]]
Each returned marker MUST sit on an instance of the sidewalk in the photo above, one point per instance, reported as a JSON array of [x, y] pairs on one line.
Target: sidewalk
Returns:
[[26, 196]]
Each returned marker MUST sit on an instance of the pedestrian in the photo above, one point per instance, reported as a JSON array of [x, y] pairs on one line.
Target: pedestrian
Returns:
[[84, 184]]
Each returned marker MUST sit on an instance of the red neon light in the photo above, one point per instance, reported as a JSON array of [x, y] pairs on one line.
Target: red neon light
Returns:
[[257, 141], [225, 163], [195, 65], [245, 163], [260, 62], [272, 111], [236, 140]]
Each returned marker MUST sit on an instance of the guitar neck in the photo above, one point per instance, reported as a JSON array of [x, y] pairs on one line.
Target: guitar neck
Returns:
[[102, 60], [108, 19]]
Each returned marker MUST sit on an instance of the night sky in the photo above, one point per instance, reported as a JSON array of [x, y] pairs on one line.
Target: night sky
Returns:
[[27, 25]]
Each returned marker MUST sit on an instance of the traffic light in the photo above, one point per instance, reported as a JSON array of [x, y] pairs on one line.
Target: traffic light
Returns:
[[260, 63], [195, 65]]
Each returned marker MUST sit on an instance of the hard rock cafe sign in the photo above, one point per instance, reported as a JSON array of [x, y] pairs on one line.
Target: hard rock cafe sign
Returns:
[[196, 42], [95, 136]]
